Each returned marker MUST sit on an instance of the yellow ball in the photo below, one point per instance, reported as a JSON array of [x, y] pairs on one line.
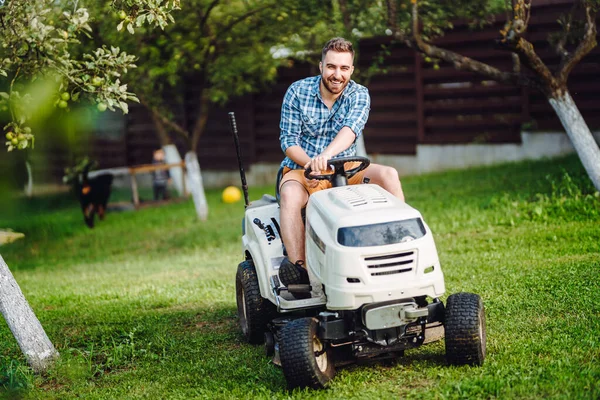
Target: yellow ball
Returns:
[[231, 194]]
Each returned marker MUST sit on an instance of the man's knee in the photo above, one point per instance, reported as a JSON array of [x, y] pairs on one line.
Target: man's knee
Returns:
[[386, 176], [389, 175], [293, 194]]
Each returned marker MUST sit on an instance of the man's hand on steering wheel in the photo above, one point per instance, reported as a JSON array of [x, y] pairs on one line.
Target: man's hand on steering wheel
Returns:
[[319, 164], [338, 164]]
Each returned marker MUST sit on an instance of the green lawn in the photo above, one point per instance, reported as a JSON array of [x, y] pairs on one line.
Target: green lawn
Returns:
[[143, 306]]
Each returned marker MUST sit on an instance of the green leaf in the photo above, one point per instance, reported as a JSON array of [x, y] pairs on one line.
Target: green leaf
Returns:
[[140, 20]]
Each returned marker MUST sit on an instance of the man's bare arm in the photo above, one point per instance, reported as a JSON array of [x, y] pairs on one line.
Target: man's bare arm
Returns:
[[342, 141]]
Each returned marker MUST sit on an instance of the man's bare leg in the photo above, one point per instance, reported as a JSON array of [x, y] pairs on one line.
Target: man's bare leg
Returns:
[[386, 177], [293, 197]]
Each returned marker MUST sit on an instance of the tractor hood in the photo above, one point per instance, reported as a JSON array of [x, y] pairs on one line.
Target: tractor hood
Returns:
[[355, 205]]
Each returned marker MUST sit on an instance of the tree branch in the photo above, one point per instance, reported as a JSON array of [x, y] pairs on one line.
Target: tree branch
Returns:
[[392, 15], [207, 14], [527, 53], [203, 111], [469, 64], [512, 40], [242, 17], [12, 82], [560, 44], [516, 63], [164, 120], [586, 45], [345, 15], [163, 136]]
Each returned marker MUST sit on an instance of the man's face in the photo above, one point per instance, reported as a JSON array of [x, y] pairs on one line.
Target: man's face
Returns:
[[336, 70]]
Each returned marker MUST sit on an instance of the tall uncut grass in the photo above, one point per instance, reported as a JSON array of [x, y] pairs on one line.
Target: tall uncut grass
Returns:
[[143, 306]]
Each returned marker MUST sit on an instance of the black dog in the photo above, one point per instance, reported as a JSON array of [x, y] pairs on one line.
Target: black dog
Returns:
[[93, 194]]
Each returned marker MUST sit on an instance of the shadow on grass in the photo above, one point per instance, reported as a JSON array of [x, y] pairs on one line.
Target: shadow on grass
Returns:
[[202, 347], [13, 206]]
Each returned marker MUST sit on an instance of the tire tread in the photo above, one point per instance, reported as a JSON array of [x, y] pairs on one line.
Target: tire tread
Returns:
[[259, 311], [463, 343], [297, 358]]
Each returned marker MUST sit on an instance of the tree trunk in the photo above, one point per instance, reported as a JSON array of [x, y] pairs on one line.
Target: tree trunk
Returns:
[[172, 157], [161, 132], [23, 323], [195, 184], [580, 135]]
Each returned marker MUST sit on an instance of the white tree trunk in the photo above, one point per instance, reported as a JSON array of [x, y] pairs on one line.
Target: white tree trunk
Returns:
[[580, 135], [23, 323], [172, 157], [196, 186]]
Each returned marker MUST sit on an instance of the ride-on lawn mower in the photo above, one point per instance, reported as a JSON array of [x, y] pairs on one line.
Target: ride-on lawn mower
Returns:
[[375, 283]]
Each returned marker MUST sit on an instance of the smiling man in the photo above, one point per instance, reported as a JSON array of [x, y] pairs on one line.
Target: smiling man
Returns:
[[321, 117]]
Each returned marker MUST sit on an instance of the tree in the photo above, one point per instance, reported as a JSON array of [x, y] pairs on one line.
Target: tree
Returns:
[[576, 39], [218, 49], [39, 41], [224, 47], [23, 323]]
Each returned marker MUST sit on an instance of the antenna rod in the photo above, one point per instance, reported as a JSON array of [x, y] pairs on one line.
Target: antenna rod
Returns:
[[239, 155]]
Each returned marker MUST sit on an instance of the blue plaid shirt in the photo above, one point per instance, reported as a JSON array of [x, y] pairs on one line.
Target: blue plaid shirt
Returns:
[[307, 122]]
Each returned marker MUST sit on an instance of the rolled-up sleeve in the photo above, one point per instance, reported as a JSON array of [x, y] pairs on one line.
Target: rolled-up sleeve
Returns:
[[290, 125], [358, 114]]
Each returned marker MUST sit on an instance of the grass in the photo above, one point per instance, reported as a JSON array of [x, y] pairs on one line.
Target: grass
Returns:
[[143, 306]]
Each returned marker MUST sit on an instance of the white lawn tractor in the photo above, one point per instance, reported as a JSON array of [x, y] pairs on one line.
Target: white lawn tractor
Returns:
[[375, 283]]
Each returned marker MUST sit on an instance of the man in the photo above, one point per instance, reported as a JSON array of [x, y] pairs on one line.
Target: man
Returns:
[[321, 117]]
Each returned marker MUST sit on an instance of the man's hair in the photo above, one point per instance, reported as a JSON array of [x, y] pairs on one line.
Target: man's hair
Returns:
[[338, 44]]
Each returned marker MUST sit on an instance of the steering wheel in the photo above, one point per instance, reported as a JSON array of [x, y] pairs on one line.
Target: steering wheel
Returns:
[[338, 169]]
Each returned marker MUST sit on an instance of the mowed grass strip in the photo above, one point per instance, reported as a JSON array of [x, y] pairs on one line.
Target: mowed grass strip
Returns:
[[143, 306]]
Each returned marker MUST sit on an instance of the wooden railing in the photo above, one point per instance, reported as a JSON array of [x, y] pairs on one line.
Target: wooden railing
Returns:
[[149, 168]]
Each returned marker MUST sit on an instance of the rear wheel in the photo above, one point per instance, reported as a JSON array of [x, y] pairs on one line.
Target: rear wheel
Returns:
[[465, 329], [305, 359], [254, 311]]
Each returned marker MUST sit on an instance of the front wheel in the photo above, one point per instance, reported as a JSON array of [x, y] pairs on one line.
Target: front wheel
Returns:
[[254, 311], [305, 359], [465, 329]]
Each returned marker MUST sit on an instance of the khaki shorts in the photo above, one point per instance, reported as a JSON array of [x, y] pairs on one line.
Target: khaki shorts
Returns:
[[298, 176]]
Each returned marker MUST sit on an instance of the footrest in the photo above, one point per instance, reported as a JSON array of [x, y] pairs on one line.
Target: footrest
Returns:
[[275, 284], [302, 288]]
